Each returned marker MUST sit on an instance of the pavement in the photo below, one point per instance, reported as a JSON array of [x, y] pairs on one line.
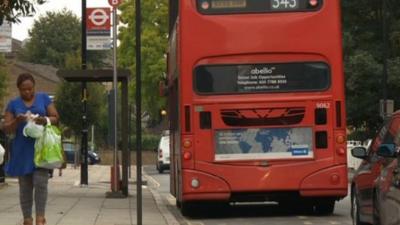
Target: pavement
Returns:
[[69, 203]]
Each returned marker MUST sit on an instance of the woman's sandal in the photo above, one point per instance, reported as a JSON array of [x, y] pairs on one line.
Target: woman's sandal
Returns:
[[28, 221], [40, 220]]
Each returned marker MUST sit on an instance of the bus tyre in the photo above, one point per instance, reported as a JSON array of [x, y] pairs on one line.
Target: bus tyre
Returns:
[[178, 204], [187, 208], [325, 207]]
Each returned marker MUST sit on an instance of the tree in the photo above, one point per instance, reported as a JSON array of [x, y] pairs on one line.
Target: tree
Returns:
[[46, 48], [68, 102], [11, 10], [70, 109], [154, 44], [363, 49]]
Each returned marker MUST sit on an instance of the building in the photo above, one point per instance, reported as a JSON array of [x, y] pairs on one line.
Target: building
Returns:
[[45, 75]]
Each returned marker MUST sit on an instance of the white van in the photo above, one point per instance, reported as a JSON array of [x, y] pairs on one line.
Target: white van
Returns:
[[163, 154], [352, 162]]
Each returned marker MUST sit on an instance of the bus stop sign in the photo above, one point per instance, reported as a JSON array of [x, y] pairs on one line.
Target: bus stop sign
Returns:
[[114, 3]]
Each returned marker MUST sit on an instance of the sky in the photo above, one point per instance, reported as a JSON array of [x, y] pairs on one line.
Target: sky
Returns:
[[20, 30]]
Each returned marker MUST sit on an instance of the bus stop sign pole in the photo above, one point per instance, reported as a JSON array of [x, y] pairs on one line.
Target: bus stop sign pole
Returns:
[[84, 150]]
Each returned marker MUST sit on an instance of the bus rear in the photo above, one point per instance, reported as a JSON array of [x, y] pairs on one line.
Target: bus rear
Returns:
[[257, 102]]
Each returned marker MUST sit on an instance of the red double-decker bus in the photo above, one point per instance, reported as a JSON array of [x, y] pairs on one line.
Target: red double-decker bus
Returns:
[[256, 102]]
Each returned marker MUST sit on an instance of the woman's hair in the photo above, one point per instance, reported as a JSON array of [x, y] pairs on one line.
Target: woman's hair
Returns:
[[23, 77]]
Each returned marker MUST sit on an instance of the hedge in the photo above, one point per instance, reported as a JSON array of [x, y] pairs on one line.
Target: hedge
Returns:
[[149, 142]]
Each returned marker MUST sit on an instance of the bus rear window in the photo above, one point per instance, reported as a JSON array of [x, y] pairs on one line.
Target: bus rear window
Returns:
[[212, 7], [266, 78]]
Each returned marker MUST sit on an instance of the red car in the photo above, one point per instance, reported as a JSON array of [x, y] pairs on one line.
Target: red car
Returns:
[[375, 188]]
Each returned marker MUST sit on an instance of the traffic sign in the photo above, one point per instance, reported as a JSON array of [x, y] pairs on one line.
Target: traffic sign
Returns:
[[114, 3], [98, 28], [98, 19]]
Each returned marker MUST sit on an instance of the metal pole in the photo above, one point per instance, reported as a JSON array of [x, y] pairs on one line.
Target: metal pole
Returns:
[[138, 114], [115, 89], [92, 138], [125, 135], [385, 57], [84, 149], [129, 139]]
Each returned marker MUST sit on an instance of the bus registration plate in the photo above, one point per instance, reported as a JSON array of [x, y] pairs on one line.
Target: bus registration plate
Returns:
[[263, 143]]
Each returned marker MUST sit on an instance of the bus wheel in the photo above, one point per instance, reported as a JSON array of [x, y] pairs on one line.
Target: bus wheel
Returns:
[[187, 208], [178, 203], [324, 207]]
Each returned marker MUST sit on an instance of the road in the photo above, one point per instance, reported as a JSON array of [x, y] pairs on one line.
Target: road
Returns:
[[256, 214]]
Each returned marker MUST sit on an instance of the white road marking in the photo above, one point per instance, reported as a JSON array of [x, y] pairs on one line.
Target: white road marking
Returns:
[[169, 218], [152, 180], [171, 200]]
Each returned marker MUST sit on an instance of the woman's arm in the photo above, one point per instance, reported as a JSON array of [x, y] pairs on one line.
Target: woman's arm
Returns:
[[11, 122], [52, 114]]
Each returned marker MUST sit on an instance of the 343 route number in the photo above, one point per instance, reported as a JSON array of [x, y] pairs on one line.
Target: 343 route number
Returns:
[[284, 4]]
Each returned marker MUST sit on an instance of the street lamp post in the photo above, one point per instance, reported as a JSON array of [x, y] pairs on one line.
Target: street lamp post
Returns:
[[84, 149]]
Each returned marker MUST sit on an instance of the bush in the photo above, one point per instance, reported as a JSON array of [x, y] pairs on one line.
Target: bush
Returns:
[[149, 141], [360, 135]]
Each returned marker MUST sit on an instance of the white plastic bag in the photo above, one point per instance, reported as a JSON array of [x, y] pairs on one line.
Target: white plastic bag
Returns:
[[48, 148], [2, 152], [32, 129]]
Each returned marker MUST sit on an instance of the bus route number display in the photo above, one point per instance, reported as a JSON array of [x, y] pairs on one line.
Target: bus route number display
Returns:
[[284, 4]]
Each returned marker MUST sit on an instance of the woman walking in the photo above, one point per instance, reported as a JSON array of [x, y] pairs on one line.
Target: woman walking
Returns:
[[32, 181]]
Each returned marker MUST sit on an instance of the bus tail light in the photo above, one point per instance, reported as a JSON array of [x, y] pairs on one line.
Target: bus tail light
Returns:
[[341, 151], [340, 139], [187, 155], [187, 152], [187, 143], [340, 146], [313, 3]]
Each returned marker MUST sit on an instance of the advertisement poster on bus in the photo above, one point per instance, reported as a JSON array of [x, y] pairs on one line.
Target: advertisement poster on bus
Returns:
[[263, 143], [278, 77]]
